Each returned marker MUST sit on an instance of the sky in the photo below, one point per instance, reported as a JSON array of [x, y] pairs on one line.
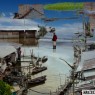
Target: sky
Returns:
[[11, 5], [63, 28]]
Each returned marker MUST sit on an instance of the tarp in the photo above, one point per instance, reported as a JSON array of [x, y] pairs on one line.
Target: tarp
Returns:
[[6, 50]]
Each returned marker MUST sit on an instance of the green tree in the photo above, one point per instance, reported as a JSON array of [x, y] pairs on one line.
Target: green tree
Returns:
[[5, 89], [66, 6]]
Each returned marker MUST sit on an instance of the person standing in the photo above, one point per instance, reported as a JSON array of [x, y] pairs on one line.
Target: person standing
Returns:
[[54, 39]]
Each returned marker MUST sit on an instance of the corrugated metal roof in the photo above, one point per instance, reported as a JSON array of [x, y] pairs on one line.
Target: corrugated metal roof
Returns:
[[18, 28], [85, 85], [89, 64], [87, 59]]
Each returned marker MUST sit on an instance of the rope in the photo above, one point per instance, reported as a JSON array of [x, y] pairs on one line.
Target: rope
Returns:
[[41, 92]]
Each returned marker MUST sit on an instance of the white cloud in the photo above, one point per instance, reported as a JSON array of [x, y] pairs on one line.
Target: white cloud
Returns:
[[67, 30], [70, 28], [64, 31], [3, 15], [11, 15]]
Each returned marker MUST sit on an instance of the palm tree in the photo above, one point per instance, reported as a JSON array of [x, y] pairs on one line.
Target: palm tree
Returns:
[[5, 89]]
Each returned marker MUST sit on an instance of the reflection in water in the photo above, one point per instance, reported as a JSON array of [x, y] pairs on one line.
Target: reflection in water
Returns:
[[54, 50], [25, 41]]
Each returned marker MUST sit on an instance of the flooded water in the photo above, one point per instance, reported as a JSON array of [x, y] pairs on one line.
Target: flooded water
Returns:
[[57, 70]]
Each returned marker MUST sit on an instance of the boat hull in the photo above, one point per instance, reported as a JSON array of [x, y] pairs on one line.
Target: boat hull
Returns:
[[37, 81], [38, 70]]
